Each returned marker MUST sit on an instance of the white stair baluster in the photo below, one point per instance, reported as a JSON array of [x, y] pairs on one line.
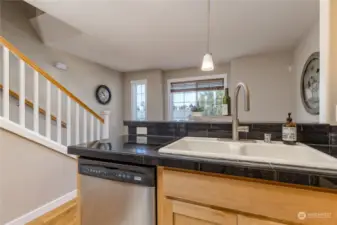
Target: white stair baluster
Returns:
[[59, 116], [85, 131], [77, 128], [92, 128], [98, 132], [5, 68], [48, 119], [68, 121], [36, 102], [22, 95]]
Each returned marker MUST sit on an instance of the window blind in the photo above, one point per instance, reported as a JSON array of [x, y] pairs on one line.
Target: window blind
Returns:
[[198, 85]]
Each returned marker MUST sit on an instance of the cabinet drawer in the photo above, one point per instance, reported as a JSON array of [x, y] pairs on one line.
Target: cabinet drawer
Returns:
[[269, 200], [244, 220], [182, 213]]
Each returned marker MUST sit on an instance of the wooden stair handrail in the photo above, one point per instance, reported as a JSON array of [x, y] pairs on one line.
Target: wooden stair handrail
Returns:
[[31, 105], [19, 54]]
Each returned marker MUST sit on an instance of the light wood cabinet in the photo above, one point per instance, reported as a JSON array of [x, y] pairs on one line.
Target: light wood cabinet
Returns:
[[183, 213], [192, 198], [245, 220]]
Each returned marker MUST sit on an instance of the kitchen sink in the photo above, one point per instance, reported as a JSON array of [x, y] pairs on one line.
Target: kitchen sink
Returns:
[[276, 152]]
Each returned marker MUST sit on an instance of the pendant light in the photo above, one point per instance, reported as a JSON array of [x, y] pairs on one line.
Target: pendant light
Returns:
[[207, 62]]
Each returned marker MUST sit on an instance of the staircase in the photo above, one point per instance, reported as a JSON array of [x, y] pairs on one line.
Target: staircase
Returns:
[[92, 123], [33, 130]]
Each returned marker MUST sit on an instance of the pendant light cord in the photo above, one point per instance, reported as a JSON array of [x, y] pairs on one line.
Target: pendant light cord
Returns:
[[208, 23]]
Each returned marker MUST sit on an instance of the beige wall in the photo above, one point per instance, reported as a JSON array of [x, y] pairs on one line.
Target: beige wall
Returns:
[[270, 85], [191, 72], [267, 75], [155, 94], [81, 79], [31, 175], [308, 44], [157, 88]]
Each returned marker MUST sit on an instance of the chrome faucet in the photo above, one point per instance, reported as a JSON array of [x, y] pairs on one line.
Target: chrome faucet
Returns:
[[235, 117]]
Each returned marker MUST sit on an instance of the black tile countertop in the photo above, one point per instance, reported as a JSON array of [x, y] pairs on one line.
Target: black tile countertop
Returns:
[[125, 150]]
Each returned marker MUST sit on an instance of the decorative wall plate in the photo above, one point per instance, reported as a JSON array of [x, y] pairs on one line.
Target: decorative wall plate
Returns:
[[310, 84]]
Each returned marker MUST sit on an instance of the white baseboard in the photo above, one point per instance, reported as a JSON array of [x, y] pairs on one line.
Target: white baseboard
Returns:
[[26, 218], [33, 136]]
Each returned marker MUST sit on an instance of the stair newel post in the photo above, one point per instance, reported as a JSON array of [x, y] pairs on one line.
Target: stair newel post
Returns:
[[106, 124], [98, 129]]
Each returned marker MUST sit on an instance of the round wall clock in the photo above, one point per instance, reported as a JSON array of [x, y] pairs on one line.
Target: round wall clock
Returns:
[[103, 94], [310, 84]]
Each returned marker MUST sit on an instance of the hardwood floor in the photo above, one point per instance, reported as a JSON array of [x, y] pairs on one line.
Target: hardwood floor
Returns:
[[64, 215]]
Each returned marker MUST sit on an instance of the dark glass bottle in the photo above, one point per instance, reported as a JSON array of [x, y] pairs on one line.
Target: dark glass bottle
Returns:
[[226, 104]]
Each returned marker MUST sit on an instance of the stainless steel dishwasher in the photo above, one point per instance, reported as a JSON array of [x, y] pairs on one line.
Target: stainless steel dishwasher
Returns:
[[116, 194]]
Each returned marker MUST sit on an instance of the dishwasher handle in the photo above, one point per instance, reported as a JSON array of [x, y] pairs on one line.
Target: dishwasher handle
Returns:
[[118, 172]]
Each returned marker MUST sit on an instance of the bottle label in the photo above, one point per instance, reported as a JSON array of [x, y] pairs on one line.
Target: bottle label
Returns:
[[225, 109], [289, 133]]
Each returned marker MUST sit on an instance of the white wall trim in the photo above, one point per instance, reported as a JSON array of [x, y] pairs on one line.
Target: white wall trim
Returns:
[[30, 216], [33, 136], [184, 79], [133, 100]]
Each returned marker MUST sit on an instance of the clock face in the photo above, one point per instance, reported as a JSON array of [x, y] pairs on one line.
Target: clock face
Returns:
[[103, 94], [310, 84]]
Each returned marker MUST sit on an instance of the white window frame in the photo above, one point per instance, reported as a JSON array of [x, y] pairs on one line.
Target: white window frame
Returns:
[[186, 79], [134, 83]]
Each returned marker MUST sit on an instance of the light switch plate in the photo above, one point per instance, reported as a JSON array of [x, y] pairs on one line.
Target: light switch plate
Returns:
[[141, 130], [141, 140], [244, 129]]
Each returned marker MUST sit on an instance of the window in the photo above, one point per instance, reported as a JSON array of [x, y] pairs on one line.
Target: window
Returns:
[[138, 100], [207, 93]]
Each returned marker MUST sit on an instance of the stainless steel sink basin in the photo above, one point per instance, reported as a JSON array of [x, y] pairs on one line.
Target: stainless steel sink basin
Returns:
[[277, 152]]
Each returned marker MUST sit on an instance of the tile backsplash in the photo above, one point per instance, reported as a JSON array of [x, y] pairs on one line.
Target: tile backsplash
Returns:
[[313, 134]]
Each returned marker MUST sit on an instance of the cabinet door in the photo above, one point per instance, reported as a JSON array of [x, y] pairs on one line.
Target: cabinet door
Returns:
[[244, 220], [181, 213]]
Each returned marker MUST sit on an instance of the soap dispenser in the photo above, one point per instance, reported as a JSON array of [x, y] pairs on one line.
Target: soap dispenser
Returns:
[[289, 131]]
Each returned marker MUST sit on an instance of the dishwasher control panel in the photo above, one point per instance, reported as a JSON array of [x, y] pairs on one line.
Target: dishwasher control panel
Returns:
[[99, 171], [128, 175]]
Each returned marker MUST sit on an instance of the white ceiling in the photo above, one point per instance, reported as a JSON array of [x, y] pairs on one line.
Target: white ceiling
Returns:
[[129, 35]]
